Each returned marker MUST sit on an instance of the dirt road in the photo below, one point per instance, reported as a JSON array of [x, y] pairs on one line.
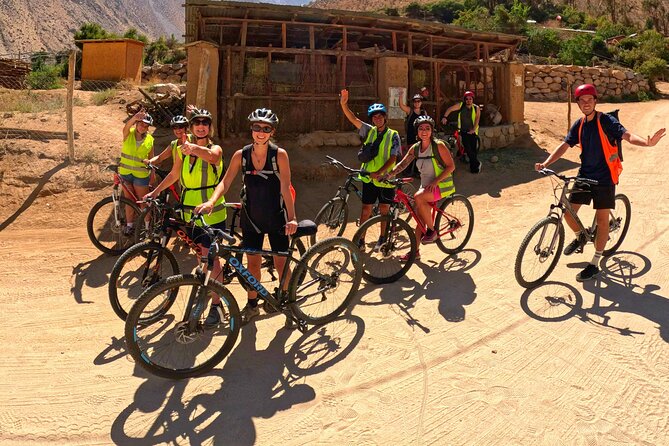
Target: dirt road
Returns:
[[455, 353]]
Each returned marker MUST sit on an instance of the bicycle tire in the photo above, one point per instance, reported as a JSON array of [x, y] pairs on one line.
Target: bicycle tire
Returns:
[[114, 232], [331, 220], [329, 264], [455, 240], [543, 254], [386, 265], [619, 224], [162, 356], [123, 290]]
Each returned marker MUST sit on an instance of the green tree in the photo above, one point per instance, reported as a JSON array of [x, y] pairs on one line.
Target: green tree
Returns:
[[90, 31], [132, 33], [415, 10], [575, 51], [512, 21], [446, 11], [478, 19], [543, 42], [157, 51]]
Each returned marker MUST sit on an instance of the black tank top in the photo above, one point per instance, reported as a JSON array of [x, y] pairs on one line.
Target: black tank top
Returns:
[[262, 194]]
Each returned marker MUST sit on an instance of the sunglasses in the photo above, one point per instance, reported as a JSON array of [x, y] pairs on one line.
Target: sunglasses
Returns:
[[201, 122], [180, 126], [261, 128], [418, 100]]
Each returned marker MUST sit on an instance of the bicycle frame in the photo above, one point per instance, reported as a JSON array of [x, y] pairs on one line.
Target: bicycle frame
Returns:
[[563, 206], [408, 203]]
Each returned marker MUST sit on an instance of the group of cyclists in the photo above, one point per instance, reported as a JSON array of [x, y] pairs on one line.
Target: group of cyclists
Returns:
[[268, 200]]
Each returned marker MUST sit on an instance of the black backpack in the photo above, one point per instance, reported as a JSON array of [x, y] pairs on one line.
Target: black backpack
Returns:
[[368, 151], [619, 142]]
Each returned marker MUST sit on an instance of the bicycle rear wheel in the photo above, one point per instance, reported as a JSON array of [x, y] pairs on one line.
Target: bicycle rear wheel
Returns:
[[141, 266], [539, 252], [389, 249], [160, 340], [325, 280], [331, 220], [454, 223], [619, 224], [105, 225]]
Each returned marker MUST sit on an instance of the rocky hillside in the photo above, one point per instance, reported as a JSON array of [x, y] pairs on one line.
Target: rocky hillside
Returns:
[[32, 25]]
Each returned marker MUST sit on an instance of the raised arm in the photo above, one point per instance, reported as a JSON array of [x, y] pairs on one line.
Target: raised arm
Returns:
[[405, 108], [132, 121], [650, 141], [343, 101]]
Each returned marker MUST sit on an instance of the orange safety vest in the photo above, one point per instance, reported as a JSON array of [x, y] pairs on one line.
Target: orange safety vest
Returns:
[[610, 150]]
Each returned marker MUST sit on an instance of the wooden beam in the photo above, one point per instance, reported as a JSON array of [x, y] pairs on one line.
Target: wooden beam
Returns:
[[70, 105], [283, 35], [394, 41], [410, 45]]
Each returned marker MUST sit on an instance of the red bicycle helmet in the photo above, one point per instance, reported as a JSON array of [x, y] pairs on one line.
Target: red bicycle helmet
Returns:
[[585, 89], [468, 94]]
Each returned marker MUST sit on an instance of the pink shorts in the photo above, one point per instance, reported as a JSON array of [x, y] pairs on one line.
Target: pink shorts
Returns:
[[435, 197]]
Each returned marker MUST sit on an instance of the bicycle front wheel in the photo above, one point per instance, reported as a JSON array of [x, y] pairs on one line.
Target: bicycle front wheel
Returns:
[[331, 220], [325, 280], [163, 342], [619, 224], [454, 223], [388, 248], [539, 252], [141, 266], [105, 225]]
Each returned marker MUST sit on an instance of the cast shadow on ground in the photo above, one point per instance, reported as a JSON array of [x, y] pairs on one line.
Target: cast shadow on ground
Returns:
[[446, 281], [34, 194], [253, 384], [92, 274], [556, 301]]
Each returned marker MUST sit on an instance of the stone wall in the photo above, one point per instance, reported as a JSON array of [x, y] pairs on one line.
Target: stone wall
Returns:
[[168, 73], [549, 82]]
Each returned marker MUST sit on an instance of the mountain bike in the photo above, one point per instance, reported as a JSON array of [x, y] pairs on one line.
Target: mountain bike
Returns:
[[333, 216], [390, 245], [165, 330], [106, 220], [146, 263], [541, 248]]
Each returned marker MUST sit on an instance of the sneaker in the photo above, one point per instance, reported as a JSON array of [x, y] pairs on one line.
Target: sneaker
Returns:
[[216, 315], [128, 230], [405, 257], [576, 245], [588, 273], [480, 167], [248, 313], [429, 237], [379, 244]]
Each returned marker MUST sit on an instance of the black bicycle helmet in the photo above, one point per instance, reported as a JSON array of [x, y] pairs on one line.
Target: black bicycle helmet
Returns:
[[424, 119], [147, 119], [264, 115], [179, 121], [200, 113], [376, 108]]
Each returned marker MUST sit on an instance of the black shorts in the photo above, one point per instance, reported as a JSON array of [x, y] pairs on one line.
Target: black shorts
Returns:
[[371, 193], [603, 197], [252, 240], [200, 237]]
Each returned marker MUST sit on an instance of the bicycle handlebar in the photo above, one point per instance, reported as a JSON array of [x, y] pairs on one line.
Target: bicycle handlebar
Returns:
[[214, 233], [549, 172], [350, 170]]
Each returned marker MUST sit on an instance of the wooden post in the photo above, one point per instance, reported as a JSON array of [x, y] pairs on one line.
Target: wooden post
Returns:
[[69, 105], [203, 80], [568, 105]]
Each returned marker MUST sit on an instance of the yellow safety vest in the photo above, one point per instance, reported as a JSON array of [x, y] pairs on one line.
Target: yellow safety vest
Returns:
[[132, 157], [473, 117], [198, 183], [446, 186], [381, 157]]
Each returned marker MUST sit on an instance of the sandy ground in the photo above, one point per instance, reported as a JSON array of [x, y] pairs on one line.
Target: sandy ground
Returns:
[[454, 353]]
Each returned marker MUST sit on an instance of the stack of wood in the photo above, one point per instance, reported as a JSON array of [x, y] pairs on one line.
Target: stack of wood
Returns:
[[13, 73]]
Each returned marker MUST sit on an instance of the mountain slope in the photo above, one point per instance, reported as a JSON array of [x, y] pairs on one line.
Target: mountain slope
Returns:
[[32, 25]]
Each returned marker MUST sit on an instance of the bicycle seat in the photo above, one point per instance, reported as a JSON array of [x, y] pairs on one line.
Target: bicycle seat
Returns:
[[305, 227]]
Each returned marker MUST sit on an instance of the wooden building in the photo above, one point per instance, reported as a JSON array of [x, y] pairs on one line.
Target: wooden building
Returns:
[[112, 60], [296, 60]]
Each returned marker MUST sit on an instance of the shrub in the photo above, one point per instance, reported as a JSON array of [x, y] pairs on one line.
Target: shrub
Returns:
[[393, 12], [478, 19], [446, 10], [47, 77], [542, 42], [575, 51], [102, 97]]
